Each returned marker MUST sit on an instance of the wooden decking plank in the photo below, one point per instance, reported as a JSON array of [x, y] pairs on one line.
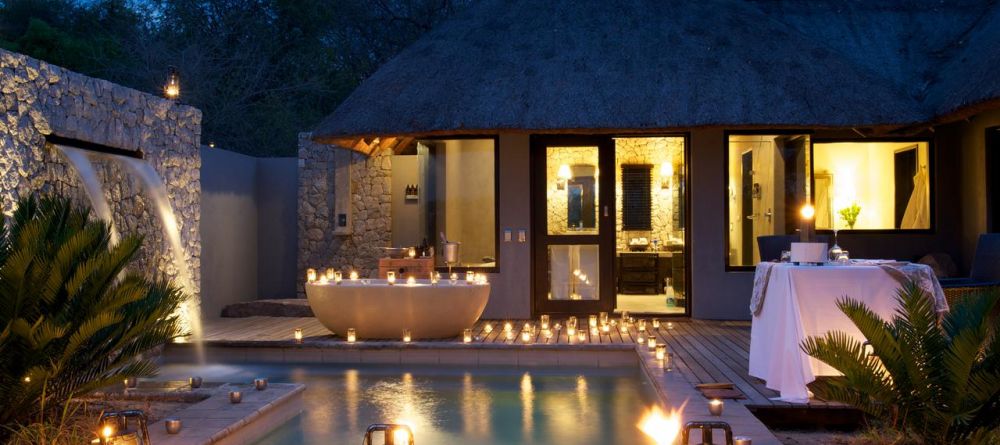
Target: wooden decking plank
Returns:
[[724, 362]]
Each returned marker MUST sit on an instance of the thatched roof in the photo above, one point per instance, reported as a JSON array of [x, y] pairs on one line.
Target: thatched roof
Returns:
[[648, 65]]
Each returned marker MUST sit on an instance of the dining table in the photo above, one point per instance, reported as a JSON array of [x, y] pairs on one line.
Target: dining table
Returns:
[[793, 302]]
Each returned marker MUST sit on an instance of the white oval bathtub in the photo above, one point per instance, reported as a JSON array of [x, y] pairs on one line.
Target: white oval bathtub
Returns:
[[378, 310]]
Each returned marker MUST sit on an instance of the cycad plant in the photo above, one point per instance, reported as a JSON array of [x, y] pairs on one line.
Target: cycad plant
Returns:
[[937, 381], [73, 318]]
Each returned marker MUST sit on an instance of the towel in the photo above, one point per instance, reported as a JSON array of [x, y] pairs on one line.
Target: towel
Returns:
[[921, 274], [760, 278]]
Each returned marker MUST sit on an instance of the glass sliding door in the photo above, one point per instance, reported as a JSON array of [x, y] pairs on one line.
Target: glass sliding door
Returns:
[[650, 255], [573, 207]]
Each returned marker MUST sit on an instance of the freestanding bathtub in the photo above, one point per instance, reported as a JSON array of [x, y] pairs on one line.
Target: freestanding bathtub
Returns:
[[380, 310]]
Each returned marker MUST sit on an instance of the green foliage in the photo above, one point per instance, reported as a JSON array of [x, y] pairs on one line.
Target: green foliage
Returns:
[[261, 71], [72, 318], [850, 214], [938, 381]]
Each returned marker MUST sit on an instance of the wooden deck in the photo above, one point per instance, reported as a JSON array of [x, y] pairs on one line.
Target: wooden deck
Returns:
[[704, 351]]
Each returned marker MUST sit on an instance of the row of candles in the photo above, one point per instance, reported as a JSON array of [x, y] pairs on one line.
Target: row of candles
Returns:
[[336, 276]]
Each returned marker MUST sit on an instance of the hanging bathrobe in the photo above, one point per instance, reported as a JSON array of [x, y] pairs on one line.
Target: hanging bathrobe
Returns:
[[917, 215]]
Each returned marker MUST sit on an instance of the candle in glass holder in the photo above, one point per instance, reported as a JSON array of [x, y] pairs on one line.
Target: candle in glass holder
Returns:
[[412, 252], [667, 361], [322, 279], [406, 336], [338, 277], [508, 327], [410, 280], [526, 336], [571, 321], [435, 277], [593, 332], [467, 336], [651, 344], [509, 335], [310, 275], [173, 425], [547, 333], [330, 272], [195, 382], [715, 407], [582, 336], [623, 328], [656, 323], [453, 278], [605, 329], [235, 397], [603, 318], [543, 321], [390, 277], [260, 383], [661, 351], [625, 317], [354, 275], [570, 331], [592, 320], [642, 324], [352, 335], [488, 328], [298, 335], [670, 325], [742, 440], [640, 338], [470, 277]]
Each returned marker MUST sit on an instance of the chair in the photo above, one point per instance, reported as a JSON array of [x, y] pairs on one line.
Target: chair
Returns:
[[771, 246], [985, 273]]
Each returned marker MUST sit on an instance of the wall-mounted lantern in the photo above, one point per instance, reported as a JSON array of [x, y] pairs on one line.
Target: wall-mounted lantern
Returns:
[[172, 90]]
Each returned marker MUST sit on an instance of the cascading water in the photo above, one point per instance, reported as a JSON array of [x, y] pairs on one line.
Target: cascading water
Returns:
[[190, 314], [91, 184], [157, 191]]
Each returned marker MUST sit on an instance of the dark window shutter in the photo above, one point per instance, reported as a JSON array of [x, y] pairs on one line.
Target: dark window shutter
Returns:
[[637, 199]]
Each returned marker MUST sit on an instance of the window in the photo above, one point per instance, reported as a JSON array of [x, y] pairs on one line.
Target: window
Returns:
[[872, 185], [877, 185], [768, 184], [447, 186]]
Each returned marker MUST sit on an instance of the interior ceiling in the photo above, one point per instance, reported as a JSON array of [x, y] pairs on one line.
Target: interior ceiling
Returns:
[[372, 146]]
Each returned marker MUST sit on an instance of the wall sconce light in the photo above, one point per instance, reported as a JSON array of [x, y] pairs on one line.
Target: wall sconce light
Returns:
[[172, 90], [666, 175], [563, 176]]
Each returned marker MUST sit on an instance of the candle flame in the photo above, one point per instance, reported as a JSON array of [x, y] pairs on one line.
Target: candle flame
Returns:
[[660, 427], [107, 431]]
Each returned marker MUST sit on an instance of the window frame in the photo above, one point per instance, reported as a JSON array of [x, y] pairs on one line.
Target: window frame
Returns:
[[931, 182], [725, 182], [496, 202]]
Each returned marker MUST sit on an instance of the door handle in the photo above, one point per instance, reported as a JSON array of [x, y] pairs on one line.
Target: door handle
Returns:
[[605, 211]]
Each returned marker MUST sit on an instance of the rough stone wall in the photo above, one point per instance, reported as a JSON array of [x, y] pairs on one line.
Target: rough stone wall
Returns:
[[370, 207], [665, 210], [37, 99], [557, 201]]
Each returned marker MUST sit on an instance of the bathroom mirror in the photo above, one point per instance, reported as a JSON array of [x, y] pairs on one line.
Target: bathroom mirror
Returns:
[[580, 198]]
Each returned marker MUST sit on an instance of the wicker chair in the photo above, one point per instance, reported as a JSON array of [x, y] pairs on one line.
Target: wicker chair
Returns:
[[771, 246], [985, 273]]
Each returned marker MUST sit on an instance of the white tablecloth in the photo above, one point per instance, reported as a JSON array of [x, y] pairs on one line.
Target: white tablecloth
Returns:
[[800, 302]]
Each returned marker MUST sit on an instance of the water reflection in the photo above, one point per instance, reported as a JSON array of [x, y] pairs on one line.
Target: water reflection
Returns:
[[481, 406]]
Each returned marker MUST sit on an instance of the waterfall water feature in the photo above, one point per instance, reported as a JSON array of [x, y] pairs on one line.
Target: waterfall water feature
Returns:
[[156, 190], [91, 184]]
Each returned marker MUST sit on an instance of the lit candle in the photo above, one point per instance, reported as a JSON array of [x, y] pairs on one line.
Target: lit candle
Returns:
[[235, 397], [606, 329], [107, 432], [298, 335], [623, 328], [507, 327], [488, 328], [670, 325], [352, 335], [640, 338], [131, 382], [651, 344], [435, 277], [411, 281], [330, 273], [470, 277], [412, 252], [661, 351], [656, 323], [406, 336], [625, 317], [526, 336], [593, 332], [604, 318], [570, 331], [322, 279], [338, 277], [454, 278], [582, 336], [390, 277], [642, 324], [571, 321], [544, 321], [467, 336], [715, 407], [742, 440], [310, 275], [593, 321], [260, 383], [354, 275], [509, 335], [547, 333], [667, 361]]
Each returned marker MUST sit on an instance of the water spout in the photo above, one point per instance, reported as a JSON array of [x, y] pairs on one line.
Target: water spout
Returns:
[[157, 191], [91, 184]]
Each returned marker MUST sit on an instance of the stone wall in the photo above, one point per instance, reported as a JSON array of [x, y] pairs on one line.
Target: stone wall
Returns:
[[321, 243], [38, 99], [666, 213]]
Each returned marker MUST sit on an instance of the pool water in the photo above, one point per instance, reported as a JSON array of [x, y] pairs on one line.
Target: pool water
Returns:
[[453, 405]]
